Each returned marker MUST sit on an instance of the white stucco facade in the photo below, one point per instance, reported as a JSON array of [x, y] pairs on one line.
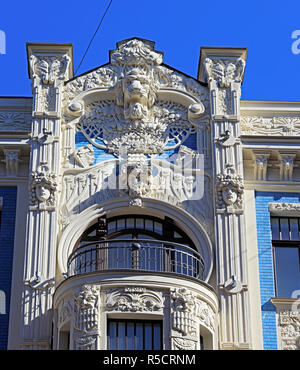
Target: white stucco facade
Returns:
[[135, 113]]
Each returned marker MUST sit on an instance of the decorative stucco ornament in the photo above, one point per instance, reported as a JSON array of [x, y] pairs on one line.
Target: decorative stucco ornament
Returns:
[[86, 325], [225, 72], [49, 68], [230, 189], [183, 307], [131, 114], [42, 188], [134, 299]]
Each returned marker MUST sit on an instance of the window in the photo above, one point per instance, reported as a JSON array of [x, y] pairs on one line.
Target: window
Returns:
[[286, 254], [134, 335]]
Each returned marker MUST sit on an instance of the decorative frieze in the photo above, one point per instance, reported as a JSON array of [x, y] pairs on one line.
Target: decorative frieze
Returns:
[[15, 121], [134, 299], [270, 126], [285, 209]]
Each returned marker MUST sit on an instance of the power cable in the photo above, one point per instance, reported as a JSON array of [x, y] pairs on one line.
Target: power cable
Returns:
[[93, 36]]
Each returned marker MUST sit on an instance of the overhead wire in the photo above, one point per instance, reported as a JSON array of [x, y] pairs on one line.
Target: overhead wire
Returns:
[[99, 25]]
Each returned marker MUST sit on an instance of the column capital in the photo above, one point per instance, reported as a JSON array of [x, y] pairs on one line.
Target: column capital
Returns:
[[49, 62], [222, 64]]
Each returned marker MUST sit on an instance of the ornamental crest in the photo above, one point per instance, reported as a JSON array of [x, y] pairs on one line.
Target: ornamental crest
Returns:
[[132, 111]]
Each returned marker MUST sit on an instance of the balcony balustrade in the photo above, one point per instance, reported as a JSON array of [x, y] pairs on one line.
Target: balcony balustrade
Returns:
[[136, 255]]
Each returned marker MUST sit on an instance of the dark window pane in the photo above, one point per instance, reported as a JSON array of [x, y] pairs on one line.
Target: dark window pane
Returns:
[[130, 223], [112, 334], [139, 336], [157, 337], [287, 271], [148, 336], [158, 227], [130, 336], [284, 228], [121, 224], [111, 227], [139, 223], [149, 225], [294, 227], [121, 335], [275, 228]]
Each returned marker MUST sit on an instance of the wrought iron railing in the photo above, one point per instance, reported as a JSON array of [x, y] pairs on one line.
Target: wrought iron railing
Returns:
[[138, 255]]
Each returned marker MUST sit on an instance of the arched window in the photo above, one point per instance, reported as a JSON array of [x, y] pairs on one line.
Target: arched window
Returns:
[[135, 227], [136, 242]]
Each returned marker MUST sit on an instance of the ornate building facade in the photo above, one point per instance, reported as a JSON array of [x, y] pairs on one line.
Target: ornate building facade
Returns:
[[142, 208]]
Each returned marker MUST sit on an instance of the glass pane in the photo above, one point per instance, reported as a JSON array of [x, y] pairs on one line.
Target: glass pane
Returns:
[[275, 228], [130, 336], [294, 228], [157, 337], [158, 227], [287, 271], [130, 223], [284, 228], [139, 223], [111, 227], [139, 336], [176, 235], [112, 334], [148, 336], [149, 225], [121, 335], [121, 224]]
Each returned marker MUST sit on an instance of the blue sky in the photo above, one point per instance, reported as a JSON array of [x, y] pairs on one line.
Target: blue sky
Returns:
[[179, 28]]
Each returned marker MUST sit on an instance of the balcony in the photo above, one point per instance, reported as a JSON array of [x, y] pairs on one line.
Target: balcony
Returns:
[[136, 255]]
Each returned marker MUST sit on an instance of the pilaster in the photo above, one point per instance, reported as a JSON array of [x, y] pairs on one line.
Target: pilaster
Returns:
[[223, 69], [49, 66]]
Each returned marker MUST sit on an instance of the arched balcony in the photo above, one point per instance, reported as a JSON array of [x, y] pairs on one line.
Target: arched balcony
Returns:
[[135, 243], [138, 255]]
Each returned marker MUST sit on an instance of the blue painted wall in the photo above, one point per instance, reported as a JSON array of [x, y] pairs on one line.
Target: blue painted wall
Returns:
[[7, 231], [266, 269]]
